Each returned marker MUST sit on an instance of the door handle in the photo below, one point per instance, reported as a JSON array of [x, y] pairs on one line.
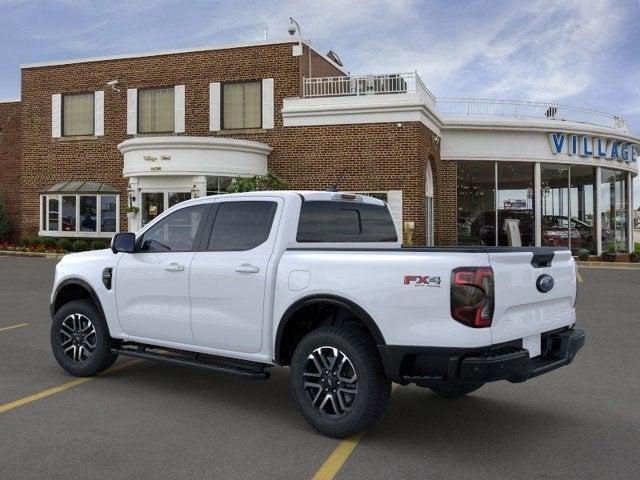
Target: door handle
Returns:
[[174, 267], [247, 268]]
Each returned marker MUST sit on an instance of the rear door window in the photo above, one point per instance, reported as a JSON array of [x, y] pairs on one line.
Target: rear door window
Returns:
[[330, 221], [241, 225]]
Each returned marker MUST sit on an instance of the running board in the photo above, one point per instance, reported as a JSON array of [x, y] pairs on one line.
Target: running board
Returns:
[[250, 371]]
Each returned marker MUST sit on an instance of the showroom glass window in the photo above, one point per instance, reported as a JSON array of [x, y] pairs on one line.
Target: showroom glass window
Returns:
[[156, 110], [242, 105], [516, 218], [78, 114], [614, 215], [78, 215], [476, 203], [554, 199], [582, 208]]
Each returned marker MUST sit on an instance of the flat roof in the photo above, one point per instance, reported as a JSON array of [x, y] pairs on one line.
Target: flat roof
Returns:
[[176, 52]]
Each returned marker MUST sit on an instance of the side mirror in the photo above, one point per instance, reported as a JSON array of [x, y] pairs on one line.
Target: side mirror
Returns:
[[124, 242]]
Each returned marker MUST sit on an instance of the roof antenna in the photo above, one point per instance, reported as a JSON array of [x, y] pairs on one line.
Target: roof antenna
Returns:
[[334, 187]]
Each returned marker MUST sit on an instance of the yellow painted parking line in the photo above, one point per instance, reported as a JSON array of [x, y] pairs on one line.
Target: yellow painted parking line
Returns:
[[11, 327], [339, 456], [60, 388], [580, 278]]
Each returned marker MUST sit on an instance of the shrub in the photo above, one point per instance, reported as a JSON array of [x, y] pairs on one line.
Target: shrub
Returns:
[[255, 184], [80, 246], [583, 254], [610, 255], [5, 226], [65, 244], [28, 241], [634, 257], [48, 242], [98, 245]]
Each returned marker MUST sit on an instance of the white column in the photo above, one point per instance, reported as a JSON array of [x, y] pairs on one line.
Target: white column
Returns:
[[214, 107], [179, 99], [598, 213], [630, 212], [537, 203], [133, 224]]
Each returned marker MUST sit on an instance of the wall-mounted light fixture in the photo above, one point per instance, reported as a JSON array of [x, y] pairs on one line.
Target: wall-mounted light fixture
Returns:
[[195, 192], [132, 195]]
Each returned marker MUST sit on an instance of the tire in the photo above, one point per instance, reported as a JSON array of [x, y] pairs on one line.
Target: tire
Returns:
[[456, 389], [81, 331], [353, 405]]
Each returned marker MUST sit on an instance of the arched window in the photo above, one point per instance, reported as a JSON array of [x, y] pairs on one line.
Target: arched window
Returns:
[[429, 204]]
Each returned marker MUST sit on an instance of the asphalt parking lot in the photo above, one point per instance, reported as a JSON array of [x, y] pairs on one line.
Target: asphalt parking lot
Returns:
[[150, 420]]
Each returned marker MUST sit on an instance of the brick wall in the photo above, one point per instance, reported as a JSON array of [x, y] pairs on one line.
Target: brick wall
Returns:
[[10, 160], [373, 156]]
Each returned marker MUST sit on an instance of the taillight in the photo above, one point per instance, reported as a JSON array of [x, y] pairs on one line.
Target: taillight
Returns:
[[472, 296]]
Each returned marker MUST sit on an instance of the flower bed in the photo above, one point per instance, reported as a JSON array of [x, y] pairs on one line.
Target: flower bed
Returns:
[[52, 245]]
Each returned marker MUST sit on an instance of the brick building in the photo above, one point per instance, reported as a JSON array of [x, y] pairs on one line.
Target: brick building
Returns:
[[90, 137]]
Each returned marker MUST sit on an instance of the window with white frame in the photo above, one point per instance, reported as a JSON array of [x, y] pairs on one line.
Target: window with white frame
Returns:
[[156, 110], [78, 114], [242, 105], [68, 213]]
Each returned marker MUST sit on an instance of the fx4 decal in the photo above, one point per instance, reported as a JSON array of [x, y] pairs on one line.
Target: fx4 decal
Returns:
[[422, 280]]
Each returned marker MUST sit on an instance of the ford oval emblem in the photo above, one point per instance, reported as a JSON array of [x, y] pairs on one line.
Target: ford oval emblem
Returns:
[[544, 283]]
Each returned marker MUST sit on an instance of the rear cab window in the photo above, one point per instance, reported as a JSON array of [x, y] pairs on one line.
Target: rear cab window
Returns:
[[336, 221]]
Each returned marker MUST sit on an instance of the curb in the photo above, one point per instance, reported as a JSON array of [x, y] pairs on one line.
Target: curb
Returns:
[[609, 265], [11, 253]]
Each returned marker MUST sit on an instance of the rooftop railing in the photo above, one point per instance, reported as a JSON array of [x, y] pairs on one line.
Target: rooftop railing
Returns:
[[398, 83], [357, 85], [526, 109]]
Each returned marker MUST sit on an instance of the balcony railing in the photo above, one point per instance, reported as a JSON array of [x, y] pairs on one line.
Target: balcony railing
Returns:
[[356, 85], [399, 83], [526, 109]]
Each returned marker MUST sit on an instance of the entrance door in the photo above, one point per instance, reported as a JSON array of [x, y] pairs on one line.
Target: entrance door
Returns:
[[154, 203], [152, 284], [228, 280]]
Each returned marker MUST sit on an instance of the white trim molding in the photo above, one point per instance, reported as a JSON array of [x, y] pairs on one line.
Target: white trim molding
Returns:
[[98, 107], [184, 155], [56, 115], [214, 107], [132, 111], [268, 107], [389, 108], [179, 113]]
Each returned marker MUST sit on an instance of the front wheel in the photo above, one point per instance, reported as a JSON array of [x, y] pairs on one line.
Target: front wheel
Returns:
[[80, 339], [338, 381]]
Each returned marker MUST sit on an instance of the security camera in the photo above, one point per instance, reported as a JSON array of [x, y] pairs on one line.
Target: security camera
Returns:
[[112, 84], [292, 29]]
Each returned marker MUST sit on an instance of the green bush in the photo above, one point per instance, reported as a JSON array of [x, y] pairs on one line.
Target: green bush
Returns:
[[583, 254], [80, 246], [65, 244], [48, 242], [5, 225], [255, 184], [98, 245], [28, 241], [634, 257]]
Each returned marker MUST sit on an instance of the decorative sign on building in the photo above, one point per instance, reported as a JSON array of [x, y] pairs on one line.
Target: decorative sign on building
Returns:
[[596, 147]]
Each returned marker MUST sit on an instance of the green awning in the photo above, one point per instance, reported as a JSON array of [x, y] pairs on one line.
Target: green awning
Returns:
[[80, 186]]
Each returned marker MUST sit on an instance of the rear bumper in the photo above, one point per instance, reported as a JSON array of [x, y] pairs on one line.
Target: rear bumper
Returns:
[[426, 366]]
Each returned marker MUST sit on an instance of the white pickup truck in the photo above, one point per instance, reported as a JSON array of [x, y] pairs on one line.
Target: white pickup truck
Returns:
[[317, 281]]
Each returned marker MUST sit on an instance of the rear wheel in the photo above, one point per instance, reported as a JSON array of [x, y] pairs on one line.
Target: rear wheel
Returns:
[[80, 339], [338, 381], [456, 389]]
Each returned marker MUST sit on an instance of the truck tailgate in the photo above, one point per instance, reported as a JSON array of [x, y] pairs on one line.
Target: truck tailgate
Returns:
[[521, 309]]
